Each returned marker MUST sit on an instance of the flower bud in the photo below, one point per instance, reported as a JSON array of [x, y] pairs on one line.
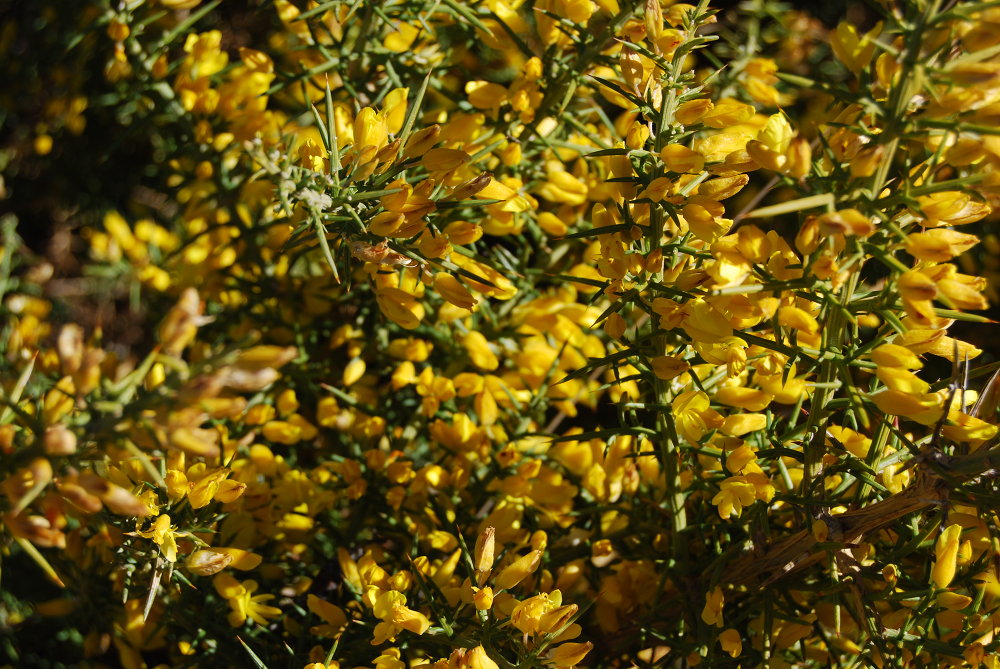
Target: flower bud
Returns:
[[181, 323], [637, 135], [70, 345], [799, 158], [117, 499], [946, 556], [679, 158], [370, 129], [484, 552], [453, 291], [78, 496], [444, 160], [570, 654], [59, 440], [472, 187], [206, 562], [421, 141]]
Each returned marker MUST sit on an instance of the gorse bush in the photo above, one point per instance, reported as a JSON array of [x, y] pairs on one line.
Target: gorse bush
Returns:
[[498, 334]]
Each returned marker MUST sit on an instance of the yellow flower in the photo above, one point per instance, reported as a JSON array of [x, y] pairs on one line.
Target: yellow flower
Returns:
[[727, 112], [925, 409], [371, 128], [479, 351], [692, 111], [963, 427], [902, 380], [853, 50], [163, 535], [951, 208], [243, 603], [667, 367], [400, 307], [794, 318], [518, 570], [739, 424], [485, 95], [542, 614], [681, 159], [562, 186], [734, 494], [939, 244], [849, 222], [402, 38], [750, 399], [444, 160], [282, 432], [484, 552], [334, 618], [704, 323], [390, 607], [946, 556], [693, 416], [478, 659], [711, 614], [205, 56], [208, 561], [894, 355], [203, 485], [452, 290], [569, 654], [730, 641]]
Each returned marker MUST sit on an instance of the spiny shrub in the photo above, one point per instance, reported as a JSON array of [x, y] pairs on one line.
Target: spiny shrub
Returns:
[[498, 334]]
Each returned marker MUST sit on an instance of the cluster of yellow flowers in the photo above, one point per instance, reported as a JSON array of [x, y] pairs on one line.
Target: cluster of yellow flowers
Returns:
[[508, 334]]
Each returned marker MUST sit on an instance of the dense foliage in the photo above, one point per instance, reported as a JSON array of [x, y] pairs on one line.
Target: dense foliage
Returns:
[[495, 334]]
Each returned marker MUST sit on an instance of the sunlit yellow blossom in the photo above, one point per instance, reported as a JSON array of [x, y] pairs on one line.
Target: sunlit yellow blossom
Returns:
[[242, 602], [735, 494], [390, 607]]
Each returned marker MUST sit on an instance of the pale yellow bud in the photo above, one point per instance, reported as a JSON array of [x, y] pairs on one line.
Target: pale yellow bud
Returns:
[[70, 345], [570, 654], [421, 141], [354, 370], [206, 562], [484, 551], [59, 440]]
